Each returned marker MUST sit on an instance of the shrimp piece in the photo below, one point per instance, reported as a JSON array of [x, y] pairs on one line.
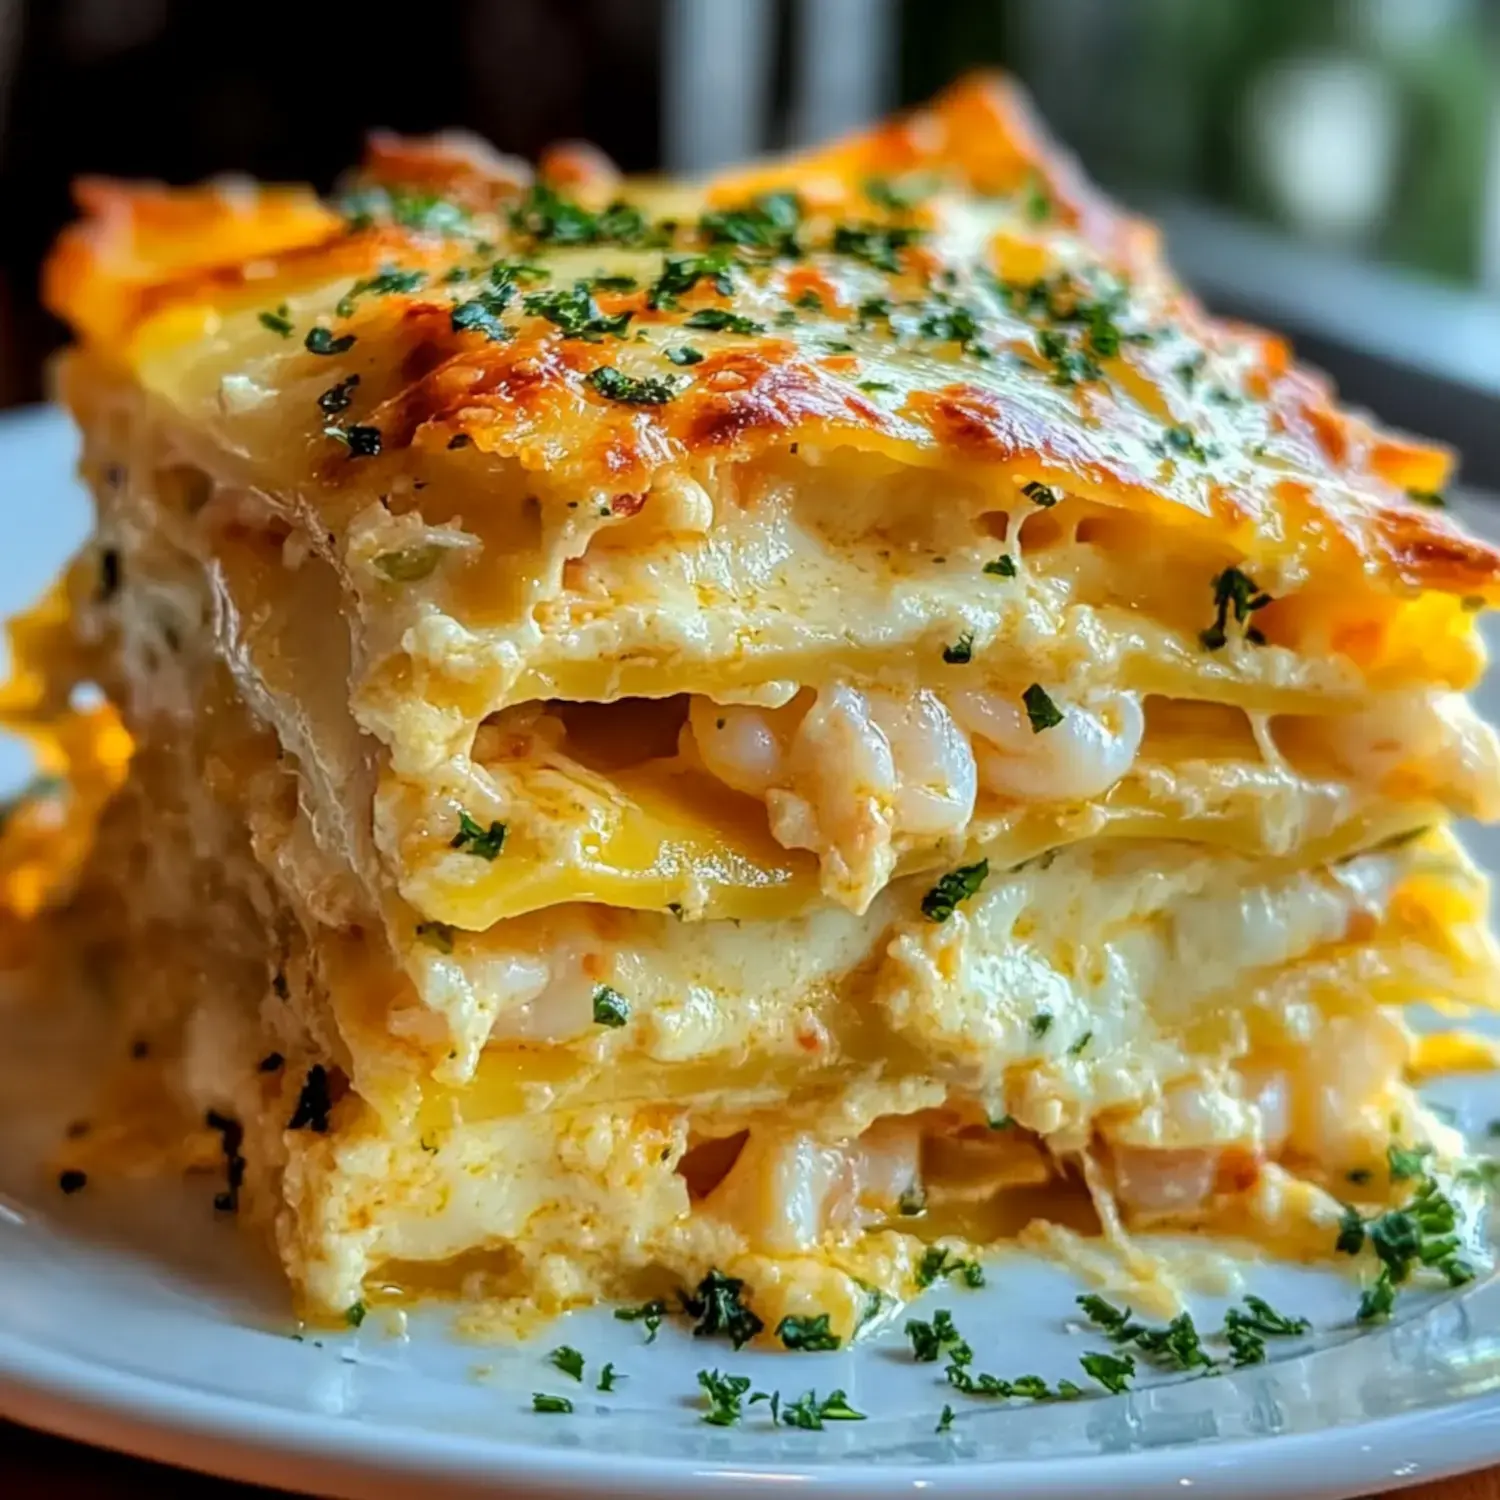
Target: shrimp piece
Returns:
[[841, 802], [1087, 753], [936, 778]]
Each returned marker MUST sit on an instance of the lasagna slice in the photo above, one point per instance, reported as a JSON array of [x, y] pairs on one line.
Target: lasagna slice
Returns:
[[764, 726]]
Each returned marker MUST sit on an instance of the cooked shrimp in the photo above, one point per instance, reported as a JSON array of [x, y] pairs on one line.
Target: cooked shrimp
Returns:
[[1084, 755]]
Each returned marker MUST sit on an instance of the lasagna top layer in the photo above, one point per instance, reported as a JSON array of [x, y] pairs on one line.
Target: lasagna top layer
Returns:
[[920, 393]]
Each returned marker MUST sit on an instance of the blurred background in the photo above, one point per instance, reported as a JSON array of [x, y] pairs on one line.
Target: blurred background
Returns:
[[1328, 165]]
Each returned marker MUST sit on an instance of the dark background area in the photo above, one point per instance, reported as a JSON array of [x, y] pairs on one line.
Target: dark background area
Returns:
[[1366, 131]]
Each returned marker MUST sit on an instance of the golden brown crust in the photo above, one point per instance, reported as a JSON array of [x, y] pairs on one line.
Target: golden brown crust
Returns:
[[1148, 404]]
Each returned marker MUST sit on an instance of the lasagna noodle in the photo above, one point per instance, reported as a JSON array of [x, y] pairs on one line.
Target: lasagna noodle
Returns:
[[690, 727]]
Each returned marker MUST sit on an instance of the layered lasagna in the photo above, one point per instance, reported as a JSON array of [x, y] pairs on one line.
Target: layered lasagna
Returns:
[[764, 727]]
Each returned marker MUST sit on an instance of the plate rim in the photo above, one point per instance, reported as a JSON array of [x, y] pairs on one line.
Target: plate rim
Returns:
[[236, 1438]]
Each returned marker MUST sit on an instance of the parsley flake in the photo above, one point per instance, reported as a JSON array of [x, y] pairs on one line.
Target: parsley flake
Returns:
[[1040, 709], [718, 1308], [809, 1335], [321, 340], [725, 1394], [685, 354], [1238, 592], [961, 651], [277, 321], [486, 843], [607, 1378], [568, 1360], [957, 885], [650, 1313], [541, 1401], [384, 284], [354, 1314], [1040, 494], [720, 320], [611, 1008], [1003, 566], [614, 385], [1113, 1371], [338, 398]]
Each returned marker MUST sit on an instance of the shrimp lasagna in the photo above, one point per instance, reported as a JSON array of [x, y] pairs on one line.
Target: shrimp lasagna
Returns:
[[766, 725]]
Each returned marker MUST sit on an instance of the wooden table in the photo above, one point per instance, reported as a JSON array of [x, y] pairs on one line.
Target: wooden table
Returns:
[[47, 1468]]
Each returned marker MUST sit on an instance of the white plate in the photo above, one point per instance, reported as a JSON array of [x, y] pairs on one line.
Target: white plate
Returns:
[[129, 1317]]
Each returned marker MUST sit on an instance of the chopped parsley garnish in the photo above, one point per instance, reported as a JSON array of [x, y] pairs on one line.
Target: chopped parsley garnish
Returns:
[[362, 442], [650, 1313], [950, 325], [809, 1335], [1183, 440], [426, 212], [1003, 566], [384, 284], [1027, 1387], [939, 1262], [1076, 1050], [481, 314], [1238, 592], [911, 1203], [945, 1421], [766, 226], [1246, 1330], [900, 195], [614, 385], [1040, 709], [486, 843], [546, 216], [541, 1401], [354, 1314], [277, 321], [1001, 1122], [607, 1378], [877, 245], [961, 651], [577, 314], [437, 935], [809, 301], [1113, 1371], [338, 398], [718, 1308], [1422, 1232], [1070, 365], [1038, 203], [1040, 494], [809, 1414], [874, 387], [611, 1008], [1419, 497], [72, 1181], [322, 341], [1406, 1162], [1041, 1023], [720, 320], [685, 354], [930, 1340], [409, 564], [957, 885], [568, 1360], [313, 1103], [681, 273], [725, 1393]]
